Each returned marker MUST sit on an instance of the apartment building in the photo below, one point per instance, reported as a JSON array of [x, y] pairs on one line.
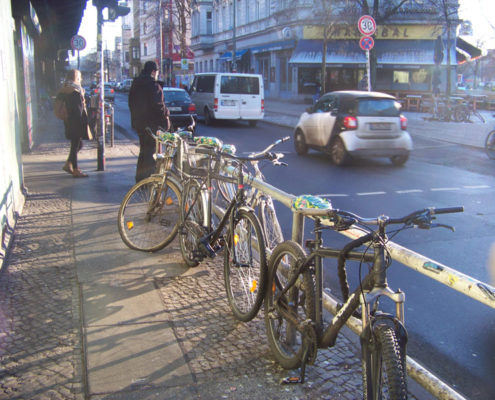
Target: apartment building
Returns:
[[160, 33], [283, 41]]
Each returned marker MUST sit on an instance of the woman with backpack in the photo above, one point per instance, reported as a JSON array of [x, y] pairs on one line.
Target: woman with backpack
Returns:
[[75, 119]]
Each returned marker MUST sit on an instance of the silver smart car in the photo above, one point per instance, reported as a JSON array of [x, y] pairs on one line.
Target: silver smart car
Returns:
[[354, 123]]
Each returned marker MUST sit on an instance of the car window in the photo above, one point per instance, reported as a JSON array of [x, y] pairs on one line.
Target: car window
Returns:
[[239, 85], [175, 95], [205, 84], [376, 108], [326, 104]]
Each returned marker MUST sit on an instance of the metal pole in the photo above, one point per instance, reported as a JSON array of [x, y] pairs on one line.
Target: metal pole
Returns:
[[368, 70], [234, 65], [160, 11], [100, 132]]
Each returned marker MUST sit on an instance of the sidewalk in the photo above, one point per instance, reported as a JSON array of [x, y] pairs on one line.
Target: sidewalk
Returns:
[[84, 317], [287, 114]]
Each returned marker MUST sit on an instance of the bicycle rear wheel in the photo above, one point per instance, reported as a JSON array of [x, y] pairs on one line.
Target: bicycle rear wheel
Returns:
[[490, 145], [148, 216], [287, 342], [245, 267], [384, 375], [192, 216], [271, 226]]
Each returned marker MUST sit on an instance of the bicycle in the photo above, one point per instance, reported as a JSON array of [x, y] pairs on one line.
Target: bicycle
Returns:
[[464, 111], [490, 144], [293, 304], [243, 243], [148, 215]]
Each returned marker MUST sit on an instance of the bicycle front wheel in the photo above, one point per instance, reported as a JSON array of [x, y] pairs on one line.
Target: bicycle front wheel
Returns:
[[192, 216], [286, 340], [245, 268], [149, 214], [384, 374], [490, 145]]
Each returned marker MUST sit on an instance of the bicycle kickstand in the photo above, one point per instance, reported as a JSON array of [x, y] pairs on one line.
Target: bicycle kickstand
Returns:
[[300, 378]]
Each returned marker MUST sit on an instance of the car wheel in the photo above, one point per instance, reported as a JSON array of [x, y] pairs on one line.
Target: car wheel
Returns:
[[338, 153], [399, 160], [300, 143], [208, 118], [252, 123]]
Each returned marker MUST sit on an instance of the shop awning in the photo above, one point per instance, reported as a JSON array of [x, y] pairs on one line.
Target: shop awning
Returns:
[[467, 49], [388, 52], [409, 52], [238, 54], [310, 51]]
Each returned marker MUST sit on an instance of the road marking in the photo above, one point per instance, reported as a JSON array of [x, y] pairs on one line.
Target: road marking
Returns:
[[477, 187], [334, 195], [444, 189], [409, 191], [370, 193]]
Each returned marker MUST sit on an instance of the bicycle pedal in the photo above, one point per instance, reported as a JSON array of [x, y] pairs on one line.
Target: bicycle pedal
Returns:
[[291, 380]]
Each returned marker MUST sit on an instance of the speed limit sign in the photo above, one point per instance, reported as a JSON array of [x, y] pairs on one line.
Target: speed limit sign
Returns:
[[367, 25], [77, 42]]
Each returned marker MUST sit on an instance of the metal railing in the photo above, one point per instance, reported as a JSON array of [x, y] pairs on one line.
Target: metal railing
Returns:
[[456, 280]]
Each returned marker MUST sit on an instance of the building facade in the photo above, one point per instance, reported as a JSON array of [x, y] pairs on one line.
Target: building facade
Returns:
[[161, 33], [283, 41]]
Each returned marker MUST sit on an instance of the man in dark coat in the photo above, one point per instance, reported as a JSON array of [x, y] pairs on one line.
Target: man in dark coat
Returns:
[[147, 110]]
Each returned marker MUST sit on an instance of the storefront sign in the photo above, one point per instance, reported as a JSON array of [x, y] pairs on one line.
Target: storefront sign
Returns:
[[407, 32]]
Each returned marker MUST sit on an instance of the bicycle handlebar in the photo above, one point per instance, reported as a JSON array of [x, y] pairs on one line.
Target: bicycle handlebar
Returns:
[[345, 219]]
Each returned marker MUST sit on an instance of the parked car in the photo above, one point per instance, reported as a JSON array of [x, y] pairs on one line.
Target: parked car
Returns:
[[181, 108], [109, 93], [125, 85], [354, 123]]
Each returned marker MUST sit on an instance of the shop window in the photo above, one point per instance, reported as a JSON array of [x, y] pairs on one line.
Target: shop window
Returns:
[[401, 77], [420, 76]]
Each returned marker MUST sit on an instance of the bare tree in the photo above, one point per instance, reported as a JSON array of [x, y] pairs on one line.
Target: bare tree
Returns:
[[181, 12]]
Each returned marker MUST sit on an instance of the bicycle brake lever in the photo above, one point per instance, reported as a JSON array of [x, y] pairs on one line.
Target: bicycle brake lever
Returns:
[[443, 226]]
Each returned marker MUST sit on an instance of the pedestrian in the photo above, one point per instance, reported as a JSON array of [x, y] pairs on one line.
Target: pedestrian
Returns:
[[76, 123], [363, 83], [147, 110]]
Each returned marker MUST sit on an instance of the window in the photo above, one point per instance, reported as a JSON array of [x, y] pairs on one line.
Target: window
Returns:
[[144, 28], [239, 84], [401, 77], [208, 23], [205, 84], [376, 108], [126, 56], [175, 95], [326, 104]]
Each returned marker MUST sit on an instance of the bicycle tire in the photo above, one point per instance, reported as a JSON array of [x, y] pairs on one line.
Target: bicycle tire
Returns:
[[461, 114], [192, 227], [245, 265], [490, 145], [384, 374], [146, 226], [286, 343], [271, 226]]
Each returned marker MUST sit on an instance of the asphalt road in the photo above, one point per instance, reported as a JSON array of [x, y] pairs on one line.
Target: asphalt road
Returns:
[[450, 334]]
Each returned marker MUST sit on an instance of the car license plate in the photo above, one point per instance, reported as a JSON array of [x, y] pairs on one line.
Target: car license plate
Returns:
[[380, 126], [227, 102], [175, 108]]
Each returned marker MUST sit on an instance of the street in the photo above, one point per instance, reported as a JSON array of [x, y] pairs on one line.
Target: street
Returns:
[[450, 334]]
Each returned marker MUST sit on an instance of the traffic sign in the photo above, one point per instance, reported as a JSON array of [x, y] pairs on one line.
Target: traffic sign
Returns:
[[367, 25], [77, 42], [366, 43]]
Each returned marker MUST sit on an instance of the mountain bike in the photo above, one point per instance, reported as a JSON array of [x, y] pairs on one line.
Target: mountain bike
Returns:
[[238, 233], [294, 298], [490, 144]]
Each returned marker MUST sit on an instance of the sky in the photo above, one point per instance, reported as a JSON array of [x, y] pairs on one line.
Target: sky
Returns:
[[480, 12]]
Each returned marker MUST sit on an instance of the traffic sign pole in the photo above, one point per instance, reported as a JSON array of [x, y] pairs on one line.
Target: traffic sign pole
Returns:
[[367, 27]]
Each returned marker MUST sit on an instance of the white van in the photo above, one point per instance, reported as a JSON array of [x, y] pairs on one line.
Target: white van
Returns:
[[228, 96]]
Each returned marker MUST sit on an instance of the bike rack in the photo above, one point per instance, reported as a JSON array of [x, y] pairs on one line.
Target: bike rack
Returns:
[[456, 280]]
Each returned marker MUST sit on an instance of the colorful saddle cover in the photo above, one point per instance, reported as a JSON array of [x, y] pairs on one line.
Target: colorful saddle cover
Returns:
[[310, 201], [208, 141]]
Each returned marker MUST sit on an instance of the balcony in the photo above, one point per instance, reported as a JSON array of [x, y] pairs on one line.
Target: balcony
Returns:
[[202, 42]]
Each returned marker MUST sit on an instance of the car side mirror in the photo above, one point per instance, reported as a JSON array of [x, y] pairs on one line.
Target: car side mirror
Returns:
[[334, 112], [309, 110]]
